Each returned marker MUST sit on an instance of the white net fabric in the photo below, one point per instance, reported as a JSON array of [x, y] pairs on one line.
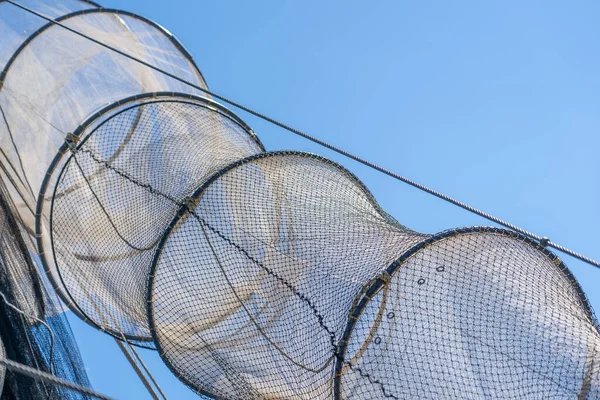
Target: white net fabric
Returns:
[[16, 26], [258, 275], [59, 79]]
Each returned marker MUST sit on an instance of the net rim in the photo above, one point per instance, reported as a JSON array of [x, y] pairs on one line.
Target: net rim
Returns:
[[374, 287], [183, 210], [100, 10], [93, 3], [147, 98]]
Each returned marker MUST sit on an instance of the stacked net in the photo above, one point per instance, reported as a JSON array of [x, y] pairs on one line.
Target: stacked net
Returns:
[[119, 190], [160, 220], [55, 80], [472, 313], [282, 278], [33, 329], [251, 286]]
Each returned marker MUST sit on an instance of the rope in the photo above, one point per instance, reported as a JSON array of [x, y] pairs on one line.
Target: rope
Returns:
[[320, 317], [137, 370], [43, 376], [148, 372], [542, 240]]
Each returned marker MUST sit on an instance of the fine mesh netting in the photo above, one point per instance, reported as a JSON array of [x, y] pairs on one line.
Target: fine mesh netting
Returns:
[[33, 328], [16, 26], [251, 288], [105, 221], [474, 313], [159, 219], [59, 79]]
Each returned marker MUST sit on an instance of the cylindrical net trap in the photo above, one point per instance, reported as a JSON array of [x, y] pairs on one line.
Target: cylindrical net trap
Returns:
[[160, 219], [118, 185], [251, 285], [282, 278], [51, 82], [472, 313]]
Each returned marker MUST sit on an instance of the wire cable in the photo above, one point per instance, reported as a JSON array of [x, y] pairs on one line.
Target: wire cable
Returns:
[[46, 377], [543, 241], [137, 369], [148, 372]]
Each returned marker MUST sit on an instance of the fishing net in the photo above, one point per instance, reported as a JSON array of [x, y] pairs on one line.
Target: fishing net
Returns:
[[254, 281], [159, 219], [473, 313], [52, 80], [114, 198], [34, 331], [16, 26], [252, 284], [57, 79]]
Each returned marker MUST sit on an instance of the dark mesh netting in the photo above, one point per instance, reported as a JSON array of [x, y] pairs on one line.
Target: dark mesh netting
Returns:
[[33, 328], [116, 195], [282, 278], [474, 313], [253, 283]]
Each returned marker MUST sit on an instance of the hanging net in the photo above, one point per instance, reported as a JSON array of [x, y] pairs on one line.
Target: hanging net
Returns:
[[116, 195], [158, 218], [252, 285], [33, 327], [473, 313]]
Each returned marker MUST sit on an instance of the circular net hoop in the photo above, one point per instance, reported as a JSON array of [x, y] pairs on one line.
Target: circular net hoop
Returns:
[[114, 197], [56, 79], [252, 284], [473, 313]]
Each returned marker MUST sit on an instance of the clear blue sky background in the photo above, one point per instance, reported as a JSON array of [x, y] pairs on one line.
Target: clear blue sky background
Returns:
[[495, 103]]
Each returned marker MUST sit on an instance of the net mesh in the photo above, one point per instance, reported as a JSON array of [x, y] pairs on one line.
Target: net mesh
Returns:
[[117, 194], [271, 275], [476, 313], [253, 283], [59, 79], [251, 290], [26, 339], [16, 26]]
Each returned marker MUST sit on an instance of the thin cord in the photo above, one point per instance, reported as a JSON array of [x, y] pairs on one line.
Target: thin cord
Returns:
[[105, 212], [46, 377], [148, 372], [369, 164], [139, 372]]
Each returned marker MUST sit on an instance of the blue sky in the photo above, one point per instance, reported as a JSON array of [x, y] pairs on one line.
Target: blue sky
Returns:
[[494, 103]]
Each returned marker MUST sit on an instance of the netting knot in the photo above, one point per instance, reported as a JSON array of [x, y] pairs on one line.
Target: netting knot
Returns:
[[385, 277], [190, 203], [71, 141]]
